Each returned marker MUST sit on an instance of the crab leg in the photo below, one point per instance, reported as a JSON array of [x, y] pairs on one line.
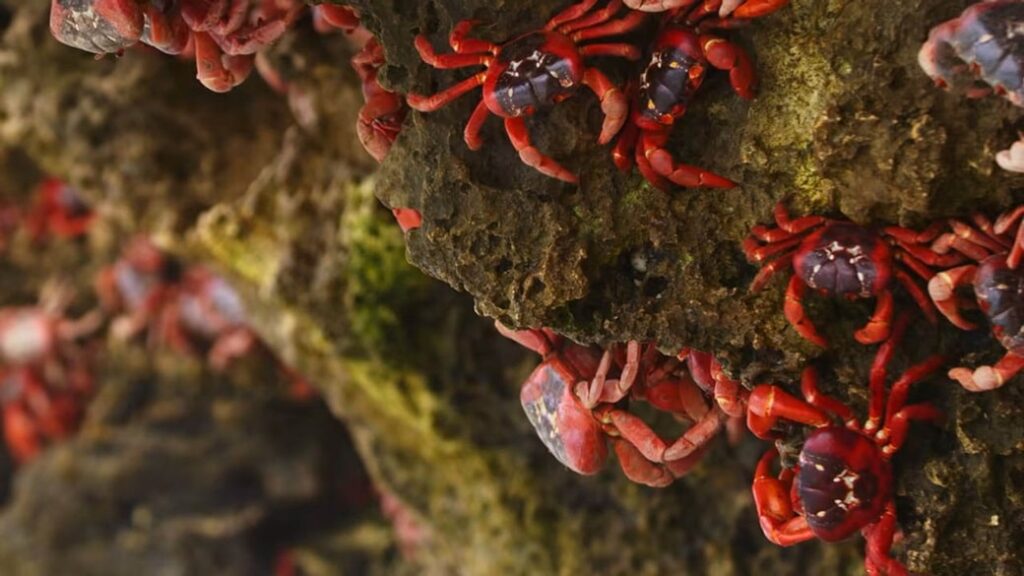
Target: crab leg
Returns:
[[627, 23], [942, 290], [1013, 260], [877, 328], [634, 430], [728, 393], [929, 257], [627, 51], [646, 170], [757, 8], [813, 395], [216, 70], [798, 225], [918, 295], [793, 309], [901, 388], [640, 469], [626, 142], [169, 35], [435, 102], [463, 45], [590, 393], [659, 5], [968, 233], [535, 340], [769, 270], [520, 137], [594, 18], [878, 543], [613, 103], [989, 377], [757, 252], [449, 61], [682, 174], [899, 424], [767, 404], [571, 13], [879, 367], [780, 524], [475, 124], [729, 57], [343, 18]]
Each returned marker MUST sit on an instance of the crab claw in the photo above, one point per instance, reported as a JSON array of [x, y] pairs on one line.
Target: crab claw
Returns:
[[97, 26], [218, 71], [1012, 159]]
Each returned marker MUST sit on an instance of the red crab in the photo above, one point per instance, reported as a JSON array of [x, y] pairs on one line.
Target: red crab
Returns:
[[840, 258], [59, 211], [45, 375], [739, 8], [577, 408], [381, 118], [142, 288], [680, 56], [533, 72], [979, 52], [41, 338], [843, 481], [998, 284], [224, 34]]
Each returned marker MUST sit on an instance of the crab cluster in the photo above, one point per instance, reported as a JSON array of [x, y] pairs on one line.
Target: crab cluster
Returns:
[[222, 35], [580, 398], [536, 70], [154, 297]]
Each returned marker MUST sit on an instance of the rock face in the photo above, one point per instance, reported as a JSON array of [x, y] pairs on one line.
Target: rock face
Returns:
[[276, 193], [845, 124], [172, 474]]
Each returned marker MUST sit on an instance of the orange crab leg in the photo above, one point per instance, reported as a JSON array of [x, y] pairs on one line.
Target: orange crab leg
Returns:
[[877, 328], [942, 290], [779, 522], [530, 155], [793, 309], [987, 378], [767, 404], [729, 57], [613, 103]]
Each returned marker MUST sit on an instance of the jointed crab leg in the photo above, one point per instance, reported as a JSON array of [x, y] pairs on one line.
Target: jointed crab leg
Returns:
[[531, 156], [942, 289], [774, 506]]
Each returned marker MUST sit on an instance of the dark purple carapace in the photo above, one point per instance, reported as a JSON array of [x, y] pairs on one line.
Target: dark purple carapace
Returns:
[[985, 43], [673, 74], [98, 26], [567, 428], [533, 72], [843, 482], [844, 259], [1000, 292]]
